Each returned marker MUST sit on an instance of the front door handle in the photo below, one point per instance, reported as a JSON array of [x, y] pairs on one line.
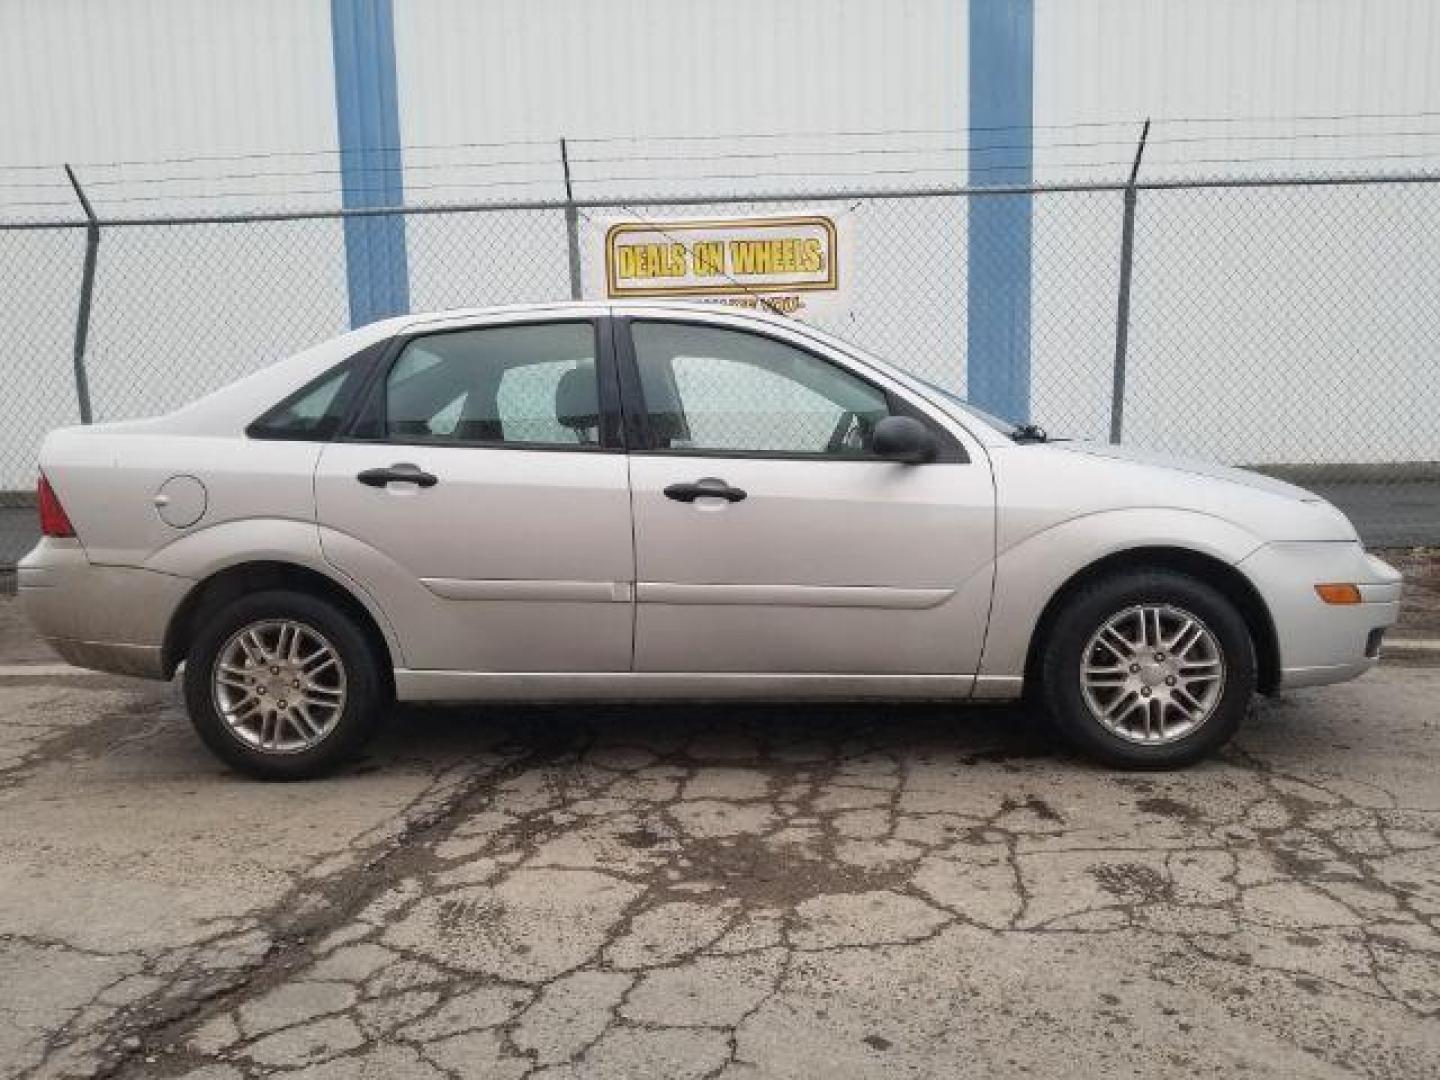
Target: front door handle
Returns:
[[401, 473], [708, 488]]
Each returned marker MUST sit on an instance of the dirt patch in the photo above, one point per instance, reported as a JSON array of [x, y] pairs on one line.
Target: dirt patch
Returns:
[[18, 642], [1133, 883], [1420, 599], [1174, 809], [1035, 805], [766, 875]]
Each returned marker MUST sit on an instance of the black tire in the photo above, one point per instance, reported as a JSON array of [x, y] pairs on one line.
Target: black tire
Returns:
[[366, 690], [1083, 615]]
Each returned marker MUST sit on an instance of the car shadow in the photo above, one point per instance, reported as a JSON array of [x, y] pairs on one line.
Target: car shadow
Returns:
[[738, 734]]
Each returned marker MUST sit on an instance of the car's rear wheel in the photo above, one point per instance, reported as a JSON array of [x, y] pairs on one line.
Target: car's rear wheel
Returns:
[[1148, 669], [283, 685]]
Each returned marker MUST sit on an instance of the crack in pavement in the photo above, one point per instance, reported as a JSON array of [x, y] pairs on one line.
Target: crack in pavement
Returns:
[[193, 987]]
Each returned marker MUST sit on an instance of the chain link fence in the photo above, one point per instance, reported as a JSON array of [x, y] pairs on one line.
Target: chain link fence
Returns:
[[1289, 326]]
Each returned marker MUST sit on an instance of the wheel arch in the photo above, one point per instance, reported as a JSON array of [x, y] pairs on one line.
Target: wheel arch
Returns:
[[240, 579], [1220, 575]]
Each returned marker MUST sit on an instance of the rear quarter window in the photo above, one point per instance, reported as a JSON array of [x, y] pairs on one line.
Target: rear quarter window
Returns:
[[318, 410]]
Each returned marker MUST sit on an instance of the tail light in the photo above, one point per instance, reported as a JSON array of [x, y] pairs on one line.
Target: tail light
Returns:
[[53, 519]]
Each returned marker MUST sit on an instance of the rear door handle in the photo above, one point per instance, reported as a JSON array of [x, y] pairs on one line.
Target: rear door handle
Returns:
[[401, 473], [708, 488]]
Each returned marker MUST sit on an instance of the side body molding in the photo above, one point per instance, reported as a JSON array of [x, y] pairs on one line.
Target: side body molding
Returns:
[[450, 625], [579, 592], [839, 596]]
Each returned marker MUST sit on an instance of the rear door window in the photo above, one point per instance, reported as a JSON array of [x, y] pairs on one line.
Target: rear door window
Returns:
[[533, 385]]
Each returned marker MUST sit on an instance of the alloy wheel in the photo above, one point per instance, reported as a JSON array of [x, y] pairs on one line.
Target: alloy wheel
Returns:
[[279, 686], [1152, 673]]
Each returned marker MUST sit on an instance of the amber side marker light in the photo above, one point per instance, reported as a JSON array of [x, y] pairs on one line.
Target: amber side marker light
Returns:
[[1339, 593]]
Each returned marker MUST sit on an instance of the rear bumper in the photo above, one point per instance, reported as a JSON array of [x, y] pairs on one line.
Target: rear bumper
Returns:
[[109, 618], [1324, 643]]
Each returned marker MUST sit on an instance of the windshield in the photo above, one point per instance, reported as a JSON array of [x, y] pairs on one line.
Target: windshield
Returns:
[[980, 414], [1004, 427]]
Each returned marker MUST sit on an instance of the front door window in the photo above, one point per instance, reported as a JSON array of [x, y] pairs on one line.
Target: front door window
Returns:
[[713, 390]]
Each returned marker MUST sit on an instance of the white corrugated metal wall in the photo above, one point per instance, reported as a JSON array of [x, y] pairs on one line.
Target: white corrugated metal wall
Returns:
[[153, 82], [1255, 312], [520, 69], [162, 106]]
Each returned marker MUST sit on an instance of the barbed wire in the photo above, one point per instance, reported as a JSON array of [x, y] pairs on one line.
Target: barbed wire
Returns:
[[951, 176], [1152, 148], [335, 190], [962, 148], [959, 132], [210, 178], [1155, 150], [1135, 122]]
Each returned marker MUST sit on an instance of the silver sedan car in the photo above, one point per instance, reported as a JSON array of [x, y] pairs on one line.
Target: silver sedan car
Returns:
[[665, 501]]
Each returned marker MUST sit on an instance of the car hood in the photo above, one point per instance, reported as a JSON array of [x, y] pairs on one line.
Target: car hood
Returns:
[[1243, 477], [1040, 485]]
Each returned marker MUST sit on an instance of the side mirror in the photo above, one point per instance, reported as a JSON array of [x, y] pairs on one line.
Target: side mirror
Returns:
[[903, 438]]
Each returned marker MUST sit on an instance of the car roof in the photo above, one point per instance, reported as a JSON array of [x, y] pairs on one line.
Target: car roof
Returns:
[[561, 307]]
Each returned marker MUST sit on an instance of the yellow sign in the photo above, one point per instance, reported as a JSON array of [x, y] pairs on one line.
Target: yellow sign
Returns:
[[736, 258]]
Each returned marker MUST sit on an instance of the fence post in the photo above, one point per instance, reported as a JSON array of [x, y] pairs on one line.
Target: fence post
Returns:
[[572, 224], [87, 292], [1122, 304]]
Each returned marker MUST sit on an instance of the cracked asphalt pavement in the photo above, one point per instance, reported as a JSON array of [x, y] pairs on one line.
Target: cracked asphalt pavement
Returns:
[[715, 891]]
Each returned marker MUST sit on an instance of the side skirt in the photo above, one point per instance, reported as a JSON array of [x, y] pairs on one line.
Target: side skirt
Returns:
[[680, 686]]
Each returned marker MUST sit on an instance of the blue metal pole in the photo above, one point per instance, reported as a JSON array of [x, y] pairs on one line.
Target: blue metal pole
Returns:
[[371, 164], [1002, 34]]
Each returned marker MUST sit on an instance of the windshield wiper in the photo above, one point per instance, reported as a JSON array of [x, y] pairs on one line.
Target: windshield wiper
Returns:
[[1028, 433]]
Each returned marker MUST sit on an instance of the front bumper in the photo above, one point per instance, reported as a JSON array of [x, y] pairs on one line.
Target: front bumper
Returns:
[[110, 618], [1323, 643]]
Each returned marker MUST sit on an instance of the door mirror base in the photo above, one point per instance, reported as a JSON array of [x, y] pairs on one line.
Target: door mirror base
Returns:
[[904, 439]]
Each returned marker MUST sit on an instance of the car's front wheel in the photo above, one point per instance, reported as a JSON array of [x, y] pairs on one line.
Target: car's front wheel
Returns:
[[1148, 669], [283, 685]]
